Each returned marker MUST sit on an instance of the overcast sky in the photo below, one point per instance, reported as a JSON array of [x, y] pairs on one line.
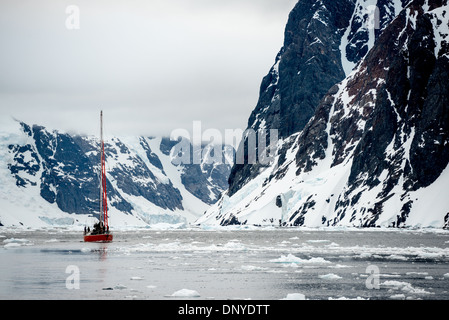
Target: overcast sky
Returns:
[[151, 65]]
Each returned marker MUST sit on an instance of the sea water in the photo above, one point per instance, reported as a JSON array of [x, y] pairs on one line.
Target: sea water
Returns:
[[226, 263]]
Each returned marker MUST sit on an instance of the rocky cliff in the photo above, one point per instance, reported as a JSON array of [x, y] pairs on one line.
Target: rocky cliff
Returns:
[[323, 41], [374, 150]]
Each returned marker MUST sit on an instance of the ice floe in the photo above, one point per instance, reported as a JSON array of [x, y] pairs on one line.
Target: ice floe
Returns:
[[404, 286], [253, 268], [295, 296], [183, 293], [330, 276], [14, 243], [293, 259]]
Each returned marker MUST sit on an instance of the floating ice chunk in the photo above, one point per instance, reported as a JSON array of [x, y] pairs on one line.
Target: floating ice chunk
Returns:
[[317, 260], [318, 241], [340, 266], [430, 255], [329, 276], [365, 255], [295, 296], [404, 286], [417, 273], [253, 268], [396, 257], [290, 265], [120, 287], [293, 259], [446, 275], [396, 284], [185, 293], [287, 259], [345, 298], [14, 243], [136, 278], [234, 245], [332, 244]]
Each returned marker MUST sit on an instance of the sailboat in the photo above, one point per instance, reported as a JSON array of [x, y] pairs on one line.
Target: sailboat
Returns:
[[100, 231]]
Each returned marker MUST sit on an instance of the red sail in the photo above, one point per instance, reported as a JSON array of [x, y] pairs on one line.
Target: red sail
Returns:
[[104, 193], [100, 232]]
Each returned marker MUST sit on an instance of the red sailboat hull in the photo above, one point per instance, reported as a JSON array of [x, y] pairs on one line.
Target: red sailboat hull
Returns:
[[105, 237]]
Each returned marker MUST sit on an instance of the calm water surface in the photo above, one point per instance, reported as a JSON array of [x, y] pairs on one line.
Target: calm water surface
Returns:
[[225, 264]]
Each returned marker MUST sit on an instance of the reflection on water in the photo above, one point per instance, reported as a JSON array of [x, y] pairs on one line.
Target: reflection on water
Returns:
[[102, 252], [226, 264]]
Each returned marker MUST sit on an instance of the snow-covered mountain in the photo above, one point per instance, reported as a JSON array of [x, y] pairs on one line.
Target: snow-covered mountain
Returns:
[[360, 96], [52, 178], [324, 40]]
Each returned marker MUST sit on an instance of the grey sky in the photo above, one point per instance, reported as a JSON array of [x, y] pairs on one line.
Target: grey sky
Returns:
[[151, 65]]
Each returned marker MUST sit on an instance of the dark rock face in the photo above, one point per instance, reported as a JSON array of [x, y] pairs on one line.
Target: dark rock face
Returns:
[[66, 175], [134, 178], [208, 179], [311, 61], [31, 165], [309, 65], [406, 107], [377, 17], [404, 81], [306, 67], [66, 167]]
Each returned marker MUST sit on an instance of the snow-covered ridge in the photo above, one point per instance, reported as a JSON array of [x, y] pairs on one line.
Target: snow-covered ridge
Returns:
[[51, 178]]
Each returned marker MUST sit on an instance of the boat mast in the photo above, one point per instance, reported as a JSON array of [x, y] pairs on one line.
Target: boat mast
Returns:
[[104, 198]]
